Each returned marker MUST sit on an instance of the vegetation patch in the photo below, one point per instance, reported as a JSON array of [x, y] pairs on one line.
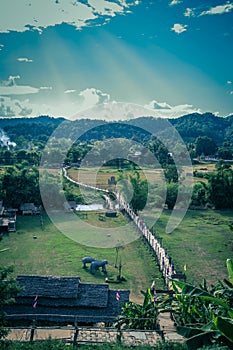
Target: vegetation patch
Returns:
[[36, 251], [203, 241]]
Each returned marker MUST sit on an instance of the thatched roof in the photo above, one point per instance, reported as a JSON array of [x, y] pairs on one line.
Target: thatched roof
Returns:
[[56, 290], [49, 286], [60, 299], [92, 295]]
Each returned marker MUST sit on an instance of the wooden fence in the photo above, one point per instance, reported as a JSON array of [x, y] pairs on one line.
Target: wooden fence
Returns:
[[165, 261], [76, 334]]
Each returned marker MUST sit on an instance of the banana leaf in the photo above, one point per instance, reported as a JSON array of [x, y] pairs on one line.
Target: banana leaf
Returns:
[[229, 263], [202, 339], [216, 301], [225, 326], [198, 337], [189, 289]]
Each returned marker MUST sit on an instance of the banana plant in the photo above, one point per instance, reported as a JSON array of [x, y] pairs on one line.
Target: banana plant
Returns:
[[136, 316], [205, 316]]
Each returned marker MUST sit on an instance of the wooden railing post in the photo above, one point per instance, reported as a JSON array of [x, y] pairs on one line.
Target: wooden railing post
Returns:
[[32, 330], [119, 334], [76, 332]]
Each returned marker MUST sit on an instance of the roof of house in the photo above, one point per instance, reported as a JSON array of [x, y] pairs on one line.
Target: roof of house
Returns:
[[48, 286], [62, 288], [64, 299], [27, 206]]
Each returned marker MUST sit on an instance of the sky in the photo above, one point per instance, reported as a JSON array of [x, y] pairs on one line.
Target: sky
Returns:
[[70, 58]]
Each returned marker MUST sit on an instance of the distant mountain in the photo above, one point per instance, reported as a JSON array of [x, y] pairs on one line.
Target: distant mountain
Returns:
[[189, 127], [193, 125]]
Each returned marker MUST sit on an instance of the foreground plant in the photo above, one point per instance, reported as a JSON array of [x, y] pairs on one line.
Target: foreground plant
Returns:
[[136, 316], [203, 315], [8, 291]]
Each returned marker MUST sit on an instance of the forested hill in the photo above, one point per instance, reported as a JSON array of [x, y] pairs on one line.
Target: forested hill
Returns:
[[41, 119], [190, 127], [194, 125]]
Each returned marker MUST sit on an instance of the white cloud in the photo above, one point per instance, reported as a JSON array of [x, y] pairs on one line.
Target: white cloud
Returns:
[[158, 105], [114, 111], [1, 46], [24, 59], [164, 110], [104, 7], [179, 28], [69, 91], [125, 111], [189, 12], [46, 88], [175, 2], [90, 103], [38, 15], [231, 92], [9, 87], [218, 10], [17, 90], [91, 97], [14, 108], [229, 82], [11, 80]]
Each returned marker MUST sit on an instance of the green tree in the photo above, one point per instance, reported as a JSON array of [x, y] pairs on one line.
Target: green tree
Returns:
[[205, 145], [171, 173], [199, 195], [220, 187], [19, 185], [172, 191], [140, 191], [225, 152], [8, 291]]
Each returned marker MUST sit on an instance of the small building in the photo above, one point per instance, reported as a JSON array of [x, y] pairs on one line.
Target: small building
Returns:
[[64, 300], [7, 219], [11, 225], [29, 209]]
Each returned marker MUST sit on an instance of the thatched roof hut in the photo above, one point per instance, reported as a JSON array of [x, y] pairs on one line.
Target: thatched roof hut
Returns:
[[64, 300]]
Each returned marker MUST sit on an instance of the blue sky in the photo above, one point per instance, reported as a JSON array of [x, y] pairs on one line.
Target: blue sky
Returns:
[[61, 57]]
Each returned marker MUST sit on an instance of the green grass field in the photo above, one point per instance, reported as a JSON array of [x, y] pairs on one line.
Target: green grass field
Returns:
[[203, 241], [52, 253]]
